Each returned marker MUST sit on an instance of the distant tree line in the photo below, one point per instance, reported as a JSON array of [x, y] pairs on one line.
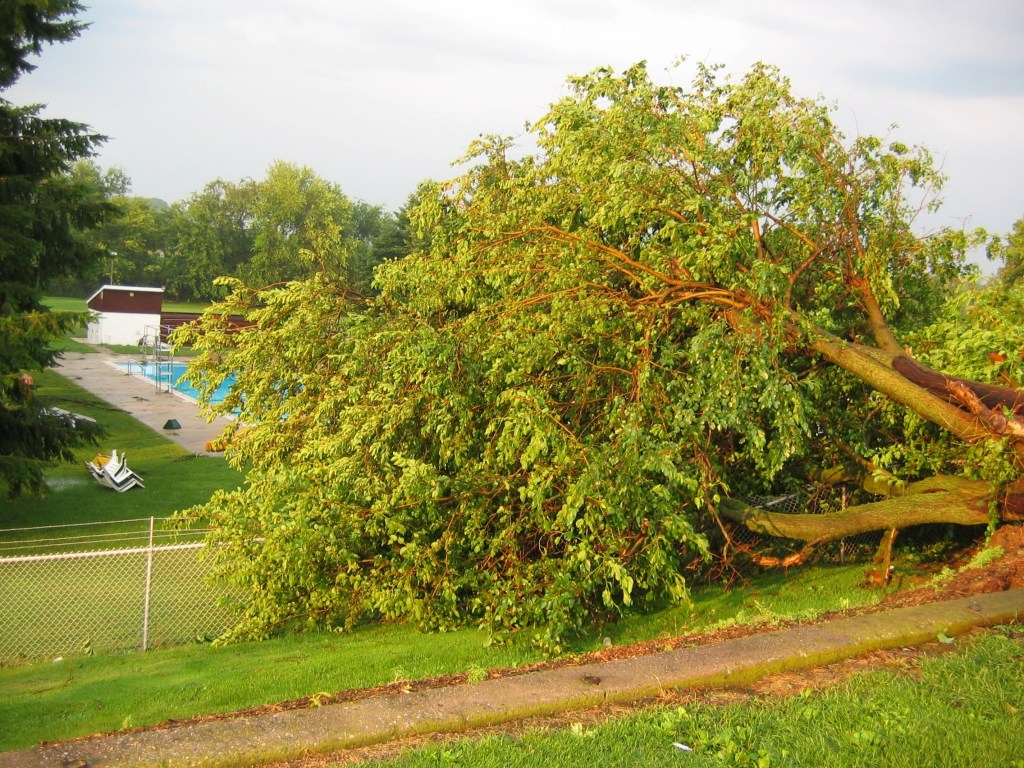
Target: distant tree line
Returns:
[[286, 226]]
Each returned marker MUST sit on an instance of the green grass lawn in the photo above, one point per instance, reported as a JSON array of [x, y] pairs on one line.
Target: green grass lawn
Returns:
[[959, 711], [186, 306], [175, 479], [65, 303], [87, 695], [75, 304], [71, 606], [96, 603], [73, 345]]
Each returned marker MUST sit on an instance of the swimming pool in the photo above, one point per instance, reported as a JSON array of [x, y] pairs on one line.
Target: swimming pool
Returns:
[[169, 376]]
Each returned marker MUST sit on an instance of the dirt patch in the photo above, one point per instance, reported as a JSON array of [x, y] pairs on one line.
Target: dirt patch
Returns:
[[1004, 571]]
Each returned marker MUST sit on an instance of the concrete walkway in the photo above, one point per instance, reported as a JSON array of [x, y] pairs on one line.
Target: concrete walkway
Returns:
[[250, 741], [97, 373]]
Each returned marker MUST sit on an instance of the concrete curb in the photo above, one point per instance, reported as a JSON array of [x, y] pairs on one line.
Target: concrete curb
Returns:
[[247, 741]]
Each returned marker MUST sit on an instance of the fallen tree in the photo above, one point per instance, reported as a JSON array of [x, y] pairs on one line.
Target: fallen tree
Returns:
[[683, 298]]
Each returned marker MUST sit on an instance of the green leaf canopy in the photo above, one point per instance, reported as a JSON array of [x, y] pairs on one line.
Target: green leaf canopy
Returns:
[[536, 420]]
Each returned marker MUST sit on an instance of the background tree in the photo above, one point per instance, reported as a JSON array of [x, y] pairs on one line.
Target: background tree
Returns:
[[213, 238], [133, 240], [43, 209], [139, 236], [298, 227], [287, 226], [376, 236], [1010, 251]]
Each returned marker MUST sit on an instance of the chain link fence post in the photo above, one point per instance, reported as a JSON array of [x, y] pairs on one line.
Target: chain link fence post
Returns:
[[149, 589], [86, 588]]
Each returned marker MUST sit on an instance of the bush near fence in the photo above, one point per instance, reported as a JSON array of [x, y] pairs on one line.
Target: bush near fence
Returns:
[[105, 588]]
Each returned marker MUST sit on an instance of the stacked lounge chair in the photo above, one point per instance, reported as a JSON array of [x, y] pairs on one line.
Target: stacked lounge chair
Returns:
[[113, 472]]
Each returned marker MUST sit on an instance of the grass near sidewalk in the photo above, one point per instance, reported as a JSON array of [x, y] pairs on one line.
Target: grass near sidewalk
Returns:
[[77, 697], [960, 710]]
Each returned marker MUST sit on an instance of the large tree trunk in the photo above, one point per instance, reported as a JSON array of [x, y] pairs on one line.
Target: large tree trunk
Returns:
[[972, 411], [875, 368], [939, 499], [967, 504]]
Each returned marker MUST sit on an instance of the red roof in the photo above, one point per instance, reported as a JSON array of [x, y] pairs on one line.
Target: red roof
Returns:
[[127, 298]]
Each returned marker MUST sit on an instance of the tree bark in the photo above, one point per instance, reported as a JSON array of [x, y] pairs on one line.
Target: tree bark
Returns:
[[966, 504], [880, 330], [990, 395], [869, 366]]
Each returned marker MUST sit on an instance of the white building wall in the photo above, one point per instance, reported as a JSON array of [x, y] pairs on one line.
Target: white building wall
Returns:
[[120, 327]]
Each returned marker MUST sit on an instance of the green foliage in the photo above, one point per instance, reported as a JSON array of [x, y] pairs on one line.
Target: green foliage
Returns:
[[284, 227], [387, 493], [985, 557], [43, 209], [213, 238], [376, 237], [31, 435], [27, 27], [1010, 251], [298, 221], [133, 239], [532, 424]]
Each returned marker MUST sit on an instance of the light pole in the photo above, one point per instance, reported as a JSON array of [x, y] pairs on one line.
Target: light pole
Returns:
[[113, 255]]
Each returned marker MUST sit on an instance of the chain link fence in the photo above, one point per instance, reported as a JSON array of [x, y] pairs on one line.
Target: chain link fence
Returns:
[[104, 588]]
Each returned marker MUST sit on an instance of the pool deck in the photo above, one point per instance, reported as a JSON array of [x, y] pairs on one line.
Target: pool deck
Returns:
[[98, 373]]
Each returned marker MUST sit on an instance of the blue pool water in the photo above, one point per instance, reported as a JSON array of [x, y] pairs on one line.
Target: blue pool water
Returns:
[[171, 374]]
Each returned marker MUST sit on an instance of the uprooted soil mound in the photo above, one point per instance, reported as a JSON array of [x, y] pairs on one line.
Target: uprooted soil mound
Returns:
[[979, 571]]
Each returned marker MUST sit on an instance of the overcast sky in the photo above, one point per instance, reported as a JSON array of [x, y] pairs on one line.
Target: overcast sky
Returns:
[[377, 95]]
